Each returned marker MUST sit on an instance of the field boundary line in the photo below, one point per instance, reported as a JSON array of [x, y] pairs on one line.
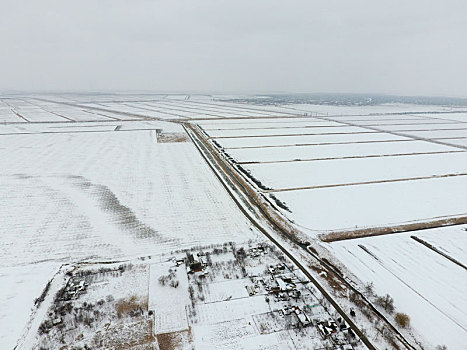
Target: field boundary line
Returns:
[[381, 231]]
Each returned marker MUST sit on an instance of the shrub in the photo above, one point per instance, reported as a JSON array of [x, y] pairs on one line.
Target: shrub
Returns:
[[402, 319], [386, 302], [369, 289]]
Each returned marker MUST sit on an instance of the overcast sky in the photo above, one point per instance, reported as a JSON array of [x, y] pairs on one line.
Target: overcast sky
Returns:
[[411, 47]]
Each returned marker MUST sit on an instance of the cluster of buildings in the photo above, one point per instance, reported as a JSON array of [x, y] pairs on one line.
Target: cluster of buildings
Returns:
[[74, 289]]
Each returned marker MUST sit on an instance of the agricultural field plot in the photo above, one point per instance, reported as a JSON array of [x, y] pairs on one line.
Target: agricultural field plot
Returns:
[[37, 111], [458, 141], [424, 284], [273, 110], [261, 124], [300, 174], [401, 120], [237, 111], [122, 107], [7, 115], [29, 112], [390, 118], [57, 127], [97, 196], [349, 208], [86, 127], [139, 109], [436, 134], [192, 111], [164, 113], [325, 130], [210, 109], [35, 114], [77, 114], [294, 140], [449, 240], [316, 152], [425, 127], [453, 117]]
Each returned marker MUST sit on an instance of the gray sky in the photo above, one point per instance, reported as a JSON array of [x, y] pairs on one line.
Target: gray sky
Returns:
[[412, 47]]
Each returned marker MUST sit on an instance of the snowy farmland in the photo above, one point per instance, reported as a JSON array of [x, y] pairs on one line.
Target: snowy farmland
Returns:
[[424, 284], [113, 177], [407, 167], [371, 168]]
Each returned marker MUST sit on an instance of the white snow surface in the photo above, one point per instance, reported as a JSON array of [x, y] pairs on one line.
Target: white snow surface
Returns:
[[344, 171], [338, 129], [375, 205], [335, 151], [424, 284], [100, 195], [307, 139]]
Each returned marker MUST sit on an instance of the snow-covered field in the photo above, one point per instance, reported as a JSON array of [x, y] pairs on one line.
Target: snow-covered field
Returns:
[[327, 194], [399, 167], [259, 142], [348, 171], [78, 183], [103, 195], [424, 284], [278, 154], [339, 129], [376, 205], [270, 123]]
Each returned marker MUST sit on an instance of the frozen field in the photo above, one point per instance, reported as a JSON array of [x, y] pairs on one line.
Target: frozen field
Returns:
[[279, 154], [352, 207], [338, 129], [425, 285], [280, 176], [292, 140], [399, 167], [450, 240], [97, 196], [270, 124]]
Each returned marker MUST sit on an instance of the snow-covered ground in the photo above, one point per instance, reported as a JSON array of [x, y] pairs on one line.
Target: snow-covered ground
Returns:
[[351, 207], [311, 173], [424, 284], [339, 129], [278, 154], [66, 197], [304, 140], [78, 183], [270, 123], [345, 171]]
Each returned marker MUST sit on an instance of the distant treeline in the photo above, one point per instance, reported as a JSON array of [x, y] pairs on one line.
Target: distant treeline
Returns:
[[348, 99]]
